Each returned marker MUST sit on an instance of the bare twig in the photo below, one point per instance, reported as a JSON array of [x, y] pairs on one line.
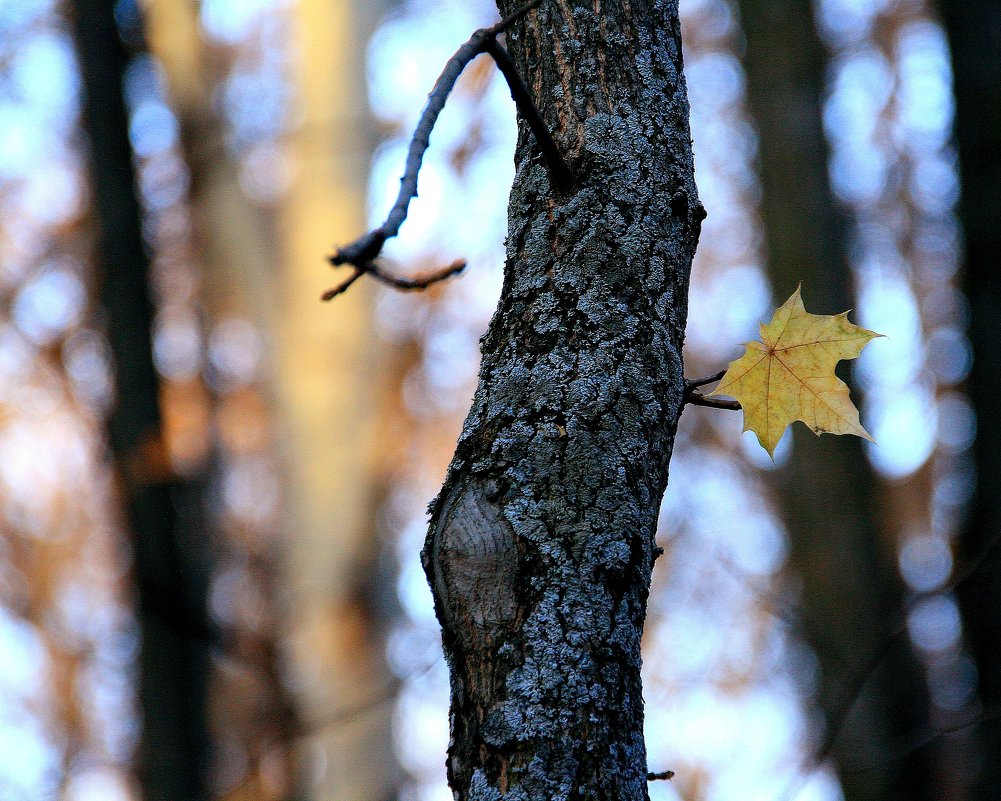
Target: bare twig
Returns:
[[695, 398], [864, 671], [665, 776], [852, 690], [693, 383], [510, 19], [558, 168], [698, 399], [363, 250], [330, 294], [930, 735], [361, 253], [418, 282], [911, 745], [350, 713]]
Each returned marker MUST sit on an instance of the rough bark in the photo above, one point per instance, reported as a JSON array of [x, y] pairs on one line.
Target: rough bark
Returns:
[[165, 516], [974, 28], [852, 594], [541, 542]]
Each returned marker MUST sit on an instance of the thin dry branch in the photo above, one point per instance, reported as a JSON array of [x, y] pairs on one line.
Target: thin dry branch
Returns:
[[698, 399], [694, 383], [695, 398], [361, 253], [926, 738], [418, 282], [859, 677], [558, 168]]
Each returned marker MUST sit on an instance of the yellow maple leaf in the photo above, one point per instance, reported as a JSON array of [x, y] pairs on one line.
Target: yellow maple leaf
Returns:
[[789, 374]]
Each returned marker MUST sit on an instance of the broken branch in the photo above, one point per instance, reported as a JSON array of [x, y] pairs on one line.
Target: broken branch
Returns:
[[361, 253]]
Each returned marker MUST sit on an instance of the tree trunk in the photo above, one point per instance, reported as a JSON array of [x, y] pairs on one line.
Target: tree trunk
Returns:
[[852, 594], [541, 542], [974, 28], [328, 404], [165, 516]]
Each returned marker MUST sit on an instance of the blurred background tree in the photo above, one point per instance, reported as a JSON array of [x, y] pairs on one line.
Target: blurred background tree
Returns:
[[974, 32], [841, 548], [226, 500]]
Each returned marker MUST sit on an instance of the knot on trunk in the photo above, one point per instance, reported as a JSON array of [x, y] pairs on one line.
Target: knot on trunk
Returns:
[[474, 559]]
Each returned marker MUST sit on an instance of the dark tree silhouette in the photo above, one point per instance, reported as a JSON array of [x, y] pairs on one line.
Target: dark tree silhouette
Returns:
[[974, 29], [871, 689], [165, 515]]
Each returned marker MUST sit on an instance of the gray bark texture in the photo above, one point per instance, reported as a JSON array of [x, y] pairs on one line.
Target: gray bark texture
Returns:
[[541, 542]]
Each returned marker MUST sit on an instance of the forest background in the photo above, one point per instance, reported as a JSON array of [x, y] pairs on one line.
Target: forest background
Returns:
[[213, 500]]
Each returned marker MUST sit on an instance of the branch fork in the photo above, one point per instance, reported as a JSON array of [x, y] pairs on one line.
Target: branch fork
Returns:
[[362, 253], [695, 398]]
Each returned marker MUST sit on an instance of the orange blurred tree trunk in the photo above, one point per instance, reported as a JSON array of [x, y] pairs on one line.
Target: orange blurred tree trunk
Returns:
[[266, 264]]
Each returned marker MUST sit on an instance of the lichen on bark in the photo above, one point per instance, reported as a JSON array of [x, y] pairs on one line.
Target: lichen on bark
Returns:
[[542, 540]]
